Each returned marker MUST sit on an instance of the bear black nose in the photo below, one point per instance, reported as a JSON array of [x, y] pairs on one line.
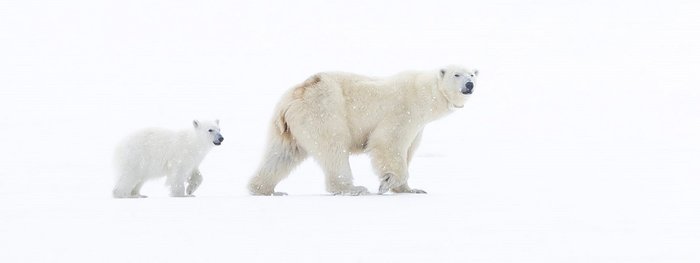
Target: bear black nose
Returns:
[[468, 88], [221, 139]]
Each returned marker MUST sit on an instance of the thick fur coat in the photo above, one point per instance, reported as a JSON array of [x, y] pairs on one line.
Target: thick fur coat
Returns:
[[332, 115], [154, 153]]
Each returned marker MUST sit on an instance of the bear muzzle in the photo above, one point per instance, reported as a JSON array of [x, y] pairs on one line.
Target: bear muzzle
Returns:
[[219, 140], [467, 89]]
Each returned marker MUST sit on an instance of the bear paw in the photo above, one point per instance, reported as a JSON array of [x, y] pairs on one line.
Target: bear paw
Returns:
[[185, 195], [353, 191], [417, 191], [130, 196], [404, 189], [191, 188], [269, 194], [389, 181]]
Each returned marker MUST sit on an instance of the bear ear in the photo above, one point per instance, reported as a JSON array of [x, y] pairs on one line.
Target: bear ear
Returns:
[[442, 73], [195, 123], [216, 121], [476, 72]]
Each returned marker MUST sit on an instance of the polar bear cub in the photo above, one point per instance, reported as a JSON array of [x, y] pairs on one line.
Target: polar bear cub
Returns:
[[153, 153], [332, 115]]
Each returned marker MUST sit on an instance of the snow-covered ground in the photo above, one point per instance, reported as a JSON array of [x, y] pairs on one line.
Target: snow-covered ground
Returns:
[[581, 142]]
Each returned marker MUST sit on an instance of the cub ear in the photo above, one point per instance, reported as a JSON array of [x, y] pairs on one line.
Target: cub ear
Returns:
[[442, 73], [216, 121], [195, 123], [476, 72]]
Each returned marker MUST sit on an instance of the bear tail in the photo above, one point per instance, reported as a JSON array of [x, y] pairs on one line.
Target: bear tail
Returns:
[[294, 95], [281, 122]]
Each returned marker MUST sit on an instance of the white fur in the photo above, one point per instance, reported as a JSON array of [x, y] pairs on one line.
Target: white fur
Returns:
[[154, 153], [332, 115]]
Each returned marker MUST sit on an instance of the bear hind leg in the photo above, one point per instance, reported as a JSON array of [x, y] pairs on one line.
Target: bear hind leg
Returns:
[[136, 192], [279, 160], [128, 187]]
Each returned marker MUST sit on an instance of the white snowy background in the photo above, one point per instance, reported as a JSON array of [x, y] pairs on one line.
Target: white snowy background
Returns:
[[581, 142]]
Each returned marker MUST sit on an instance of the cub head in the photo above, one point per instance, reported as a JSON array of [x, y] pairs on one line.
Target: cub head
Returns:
[[457, 84], [209, 130]]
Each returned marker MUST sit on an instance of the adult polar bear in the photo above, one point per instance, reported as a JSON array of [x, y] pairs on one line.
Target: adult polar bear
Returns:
[[332, 115]]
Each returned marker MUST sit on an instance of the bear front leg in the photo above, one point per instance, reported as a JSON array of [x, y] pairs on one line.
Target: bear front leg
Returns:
[[391, 149], [177, 185], [404, 188], [391, 167], [194, 181]]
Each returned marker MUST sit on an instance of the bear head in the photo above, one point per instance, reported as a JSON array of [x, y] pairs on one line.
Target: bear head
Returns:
[[209, 131], [457, 84]]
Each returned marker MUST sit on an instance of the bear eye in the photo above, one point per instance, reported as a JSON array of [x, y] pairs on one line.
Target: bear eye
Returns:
[[210, 130], [457, 75]]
